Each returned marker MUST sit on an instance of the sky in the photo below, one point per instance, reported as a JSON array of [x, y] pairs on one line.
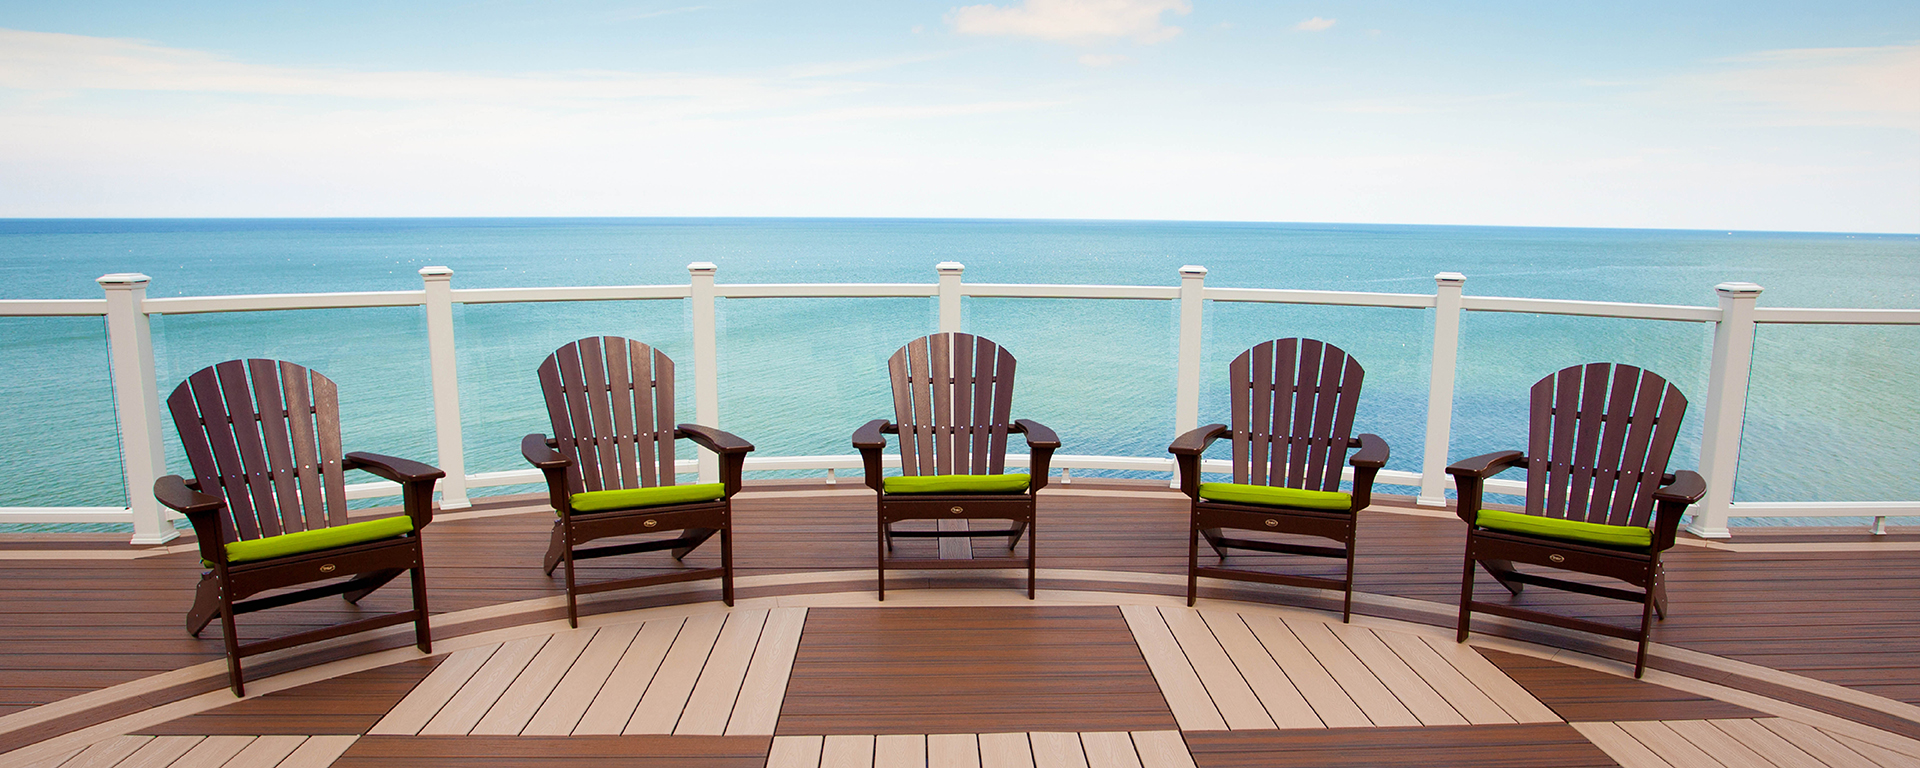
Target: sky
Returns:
[[1754, 115]]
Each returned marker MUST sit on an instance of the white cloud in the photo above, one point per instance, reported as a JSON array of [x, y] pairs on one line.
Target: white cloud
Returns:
[[1071, 20], [1316, 24], [1877, 86], [1103, 59]]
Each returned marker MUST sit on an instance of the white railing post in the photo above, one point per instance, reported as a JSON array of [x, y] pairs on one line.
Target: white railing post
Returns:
[[1726, 408], [1186, 398], [950, 272], [1446, 349], [446, 387], [137, 398], [706, 360]]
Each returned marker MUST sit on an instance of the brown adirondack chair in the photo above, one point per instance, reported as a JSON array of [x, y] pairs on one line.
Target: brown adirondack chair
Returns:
[[1599, 498], [268, 504], [1293, 402], [610, 465], [952, 396]]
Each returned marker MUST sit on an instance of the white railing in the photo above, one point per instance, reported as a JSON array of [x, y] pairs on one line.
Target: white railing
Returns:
[[127, 312]]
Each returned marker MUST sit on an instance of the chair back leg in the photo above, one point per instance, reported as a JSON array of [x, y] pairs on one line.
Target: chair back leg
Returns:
[[422, 630], [1466, 600]]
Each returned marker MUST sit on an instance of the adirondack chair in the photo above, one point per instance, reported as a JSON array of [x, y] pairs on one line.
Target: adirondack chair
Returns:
[[1293, 402], [952, 395], [610, 465], [268, 504], [1599, 498]]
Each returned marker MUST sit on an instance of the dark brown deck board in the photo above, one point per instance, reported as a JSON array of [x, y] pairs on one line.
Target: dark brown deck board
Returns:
[[557, 752], [969, 670], [1583, 695], [348, 704], [1478, 746]]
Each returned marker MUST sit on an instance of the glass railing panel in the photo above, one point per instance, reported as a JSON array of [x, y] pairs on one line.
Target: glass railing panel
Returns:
[[797, 376], [59, 445], [1831, 415], [1099, 372]]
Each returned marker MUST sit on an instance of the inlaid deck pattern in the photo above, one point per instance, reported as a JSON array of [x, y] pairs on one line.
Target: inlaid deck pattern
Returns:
[[1225, 686]]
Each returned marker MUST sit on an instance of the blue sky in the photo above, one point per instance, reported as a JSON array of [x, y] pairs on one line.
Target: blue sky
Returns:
[[1717, 116]]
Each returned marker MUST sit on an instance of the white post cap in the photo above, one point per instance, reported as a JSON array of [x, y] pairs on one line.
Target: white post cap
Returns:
[[950, 267], [1738, 289], [702, 268], [1449, 278], [1193, 270], [123, 280], [439, 272]]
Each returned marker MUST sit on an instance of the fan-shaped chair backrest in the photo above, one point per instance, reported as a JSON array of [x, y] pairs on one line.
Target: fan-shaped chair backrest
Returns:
[[611, 403], [1599, 438], [264, 434], [952, 396], [1293, 403]]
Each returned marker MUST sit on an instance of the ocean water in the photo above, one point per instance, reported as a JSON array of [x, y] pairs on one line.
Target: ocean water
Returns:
[[1831, 416]]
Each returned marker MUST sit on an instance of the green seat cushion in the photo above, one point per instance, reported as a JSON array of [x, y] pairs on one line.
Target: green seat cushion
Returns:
[[955, 484], [1566, 530], [633, 498], [273, 547], [1271, 496]]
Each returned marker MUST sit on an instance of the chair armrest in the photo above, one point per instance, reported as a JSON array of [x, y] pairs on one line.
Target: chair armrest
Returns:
[[1195, 441], [729, 447], [1685, 488], [1470, 476], [391, 467], [201, 509], [871, 435], [1670, 501], [173, 492], [871, 439], [1041, 443], [1485, 465], [1038, 435], [1373, 453], [1187, 449], [416, 480], [718, 441], [541, 455]]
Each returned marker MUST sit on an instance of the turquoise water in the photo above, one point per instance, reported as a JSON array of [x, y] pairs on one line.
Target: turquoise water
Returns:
[[1831, 415]]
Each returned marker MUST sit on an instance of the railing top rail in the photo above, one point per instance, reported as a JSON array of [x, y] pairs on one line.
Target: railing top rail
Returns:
[[825, 290], [570, 293], [1619, 309], [52, 307], [1334, 298], [277, 301], [1061, 291], [1837, 316]]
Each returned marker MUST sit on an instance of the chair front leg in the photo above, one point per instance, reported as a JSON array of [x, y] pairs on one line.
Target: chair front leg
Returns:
[[1466, 594], [726, 563], [1193, 558], [422, 630]]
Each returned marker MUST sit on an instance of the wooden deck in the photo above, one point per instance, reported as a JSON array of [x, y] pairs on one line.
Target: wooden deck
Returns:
[[1789, 648]]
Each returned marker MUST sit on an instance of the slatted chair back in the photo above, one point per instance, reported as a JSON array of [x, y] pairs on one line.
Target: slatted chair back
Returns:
[[611, 404], [1599, 438], [1293, 402], [265, 435], [952, 397]]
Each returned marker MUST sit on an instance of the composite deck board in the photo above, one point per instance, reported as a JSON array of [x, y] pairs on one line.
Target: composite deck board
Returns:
[[556, 751], [349, 704], [1480, 746], [72, 626], [977, 670], [1578, 694]]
